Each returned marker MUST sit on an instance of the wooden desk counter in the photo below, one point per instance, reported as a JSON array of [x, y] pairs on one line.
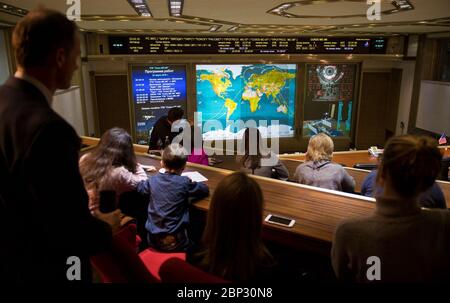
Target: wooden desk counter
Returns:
[[317, 212], [358, 174], [291, 161], [92, 142], [347, 158], [350, 158]]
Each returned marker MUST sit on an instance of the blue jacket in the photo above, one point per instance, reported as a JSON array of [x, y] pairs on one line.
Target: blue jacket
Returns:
[[168, 208], [431, 198]]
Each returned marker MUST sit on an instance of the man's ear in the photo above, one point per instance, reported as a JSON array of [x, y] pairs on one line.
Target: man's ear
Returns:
[[60, 57]]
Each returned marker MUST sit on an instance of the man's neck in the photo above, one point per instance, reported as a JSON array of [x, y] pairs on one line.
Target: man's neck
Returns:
[[38, 79], [40, 74]]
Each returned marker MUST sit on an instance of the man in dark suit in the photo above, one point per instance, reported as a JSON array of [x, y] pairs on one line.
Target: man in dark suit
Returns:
[[47, 232], [162, 129]]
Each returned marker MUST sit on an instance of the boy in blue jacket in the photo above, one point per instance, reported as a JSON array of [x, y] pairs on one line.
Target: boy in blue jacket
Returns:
[[168, 208]]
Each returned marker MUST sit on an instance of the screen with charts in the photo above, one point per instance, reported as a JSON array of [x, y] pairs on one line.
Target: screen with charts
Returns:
[[234, 93], [329, 99], [155, 89]]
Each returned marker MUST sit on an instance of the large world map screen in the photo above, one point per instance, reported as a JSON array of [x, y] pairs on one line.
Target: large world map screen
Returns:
[[233, 96]]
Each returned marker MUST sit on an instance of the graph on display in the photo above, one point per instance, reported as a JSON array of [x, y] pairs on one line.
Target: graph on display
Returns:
[[329, 94], [244, 92]]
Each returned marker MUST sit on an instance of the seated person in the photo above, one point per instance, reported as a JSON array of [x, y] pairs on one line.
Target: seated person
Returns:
[[411, 244], [319, 170], [197, 154], [233, 246], [431, 198], [162, 129], [111, 167], [168, 208], [445, 171], [260, 162]]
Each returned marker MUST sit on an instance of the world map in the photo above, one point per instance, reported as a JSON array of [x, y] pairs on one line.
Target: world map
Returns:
[[242, 92]]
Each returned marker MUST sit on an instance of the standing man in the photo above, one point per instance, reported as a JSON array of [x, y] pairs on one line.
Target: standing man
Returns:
[[47, 232], [162, 129]]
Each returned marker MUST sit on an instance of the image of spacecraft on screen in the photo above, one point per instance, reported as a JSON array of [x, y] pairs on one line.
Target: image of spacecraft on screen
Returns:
[[329, 124], [329, 77]]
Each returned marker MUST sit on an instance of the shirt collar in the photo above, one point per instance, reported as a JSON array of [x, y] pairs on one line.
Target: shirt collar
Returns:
[[38, 84]]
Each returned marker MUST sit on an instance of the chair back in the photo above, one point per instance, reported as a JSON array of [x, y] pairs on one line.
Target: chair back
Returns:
[[175, 270], [122, 263]]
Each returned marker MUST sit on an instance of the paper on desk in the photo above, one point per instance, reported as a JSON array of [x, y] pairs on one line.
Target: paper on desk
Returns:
[[195, 176], [149, 168]]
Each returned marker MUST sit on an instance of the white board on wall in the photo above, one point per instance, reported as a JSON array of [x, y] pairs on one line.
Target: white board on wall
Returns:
[[67, 103], [433, 112]]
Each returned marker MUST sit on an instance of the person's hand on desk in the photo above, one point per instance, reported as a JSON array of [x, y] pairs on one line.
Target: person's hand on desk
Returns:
[[148, 168]]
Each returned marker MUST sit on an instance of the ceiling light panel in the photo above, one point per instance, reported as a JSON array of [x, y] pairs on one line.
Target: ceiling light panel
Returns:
[[141, 7], [12, 10], [175, 7]]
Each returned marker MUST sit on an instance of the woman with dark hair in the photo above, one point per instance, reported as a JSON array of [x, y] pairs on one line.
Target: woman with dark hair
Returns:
[[233, 246], [111, 166], [257, 161], [401, 242]]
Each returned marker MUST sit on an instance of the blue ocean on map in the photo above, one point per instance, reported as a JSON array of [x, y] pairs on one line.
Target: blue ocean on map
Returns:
[[228, 93]]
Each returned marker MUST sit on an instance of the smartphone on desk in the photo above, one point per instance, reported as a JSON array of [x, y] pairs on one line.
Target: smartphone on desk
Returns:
[[278, 220]]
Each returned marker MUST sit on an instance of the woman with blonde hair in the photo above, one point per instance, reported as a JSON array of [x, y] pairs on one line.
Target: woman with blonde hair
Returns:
[[319, 170]]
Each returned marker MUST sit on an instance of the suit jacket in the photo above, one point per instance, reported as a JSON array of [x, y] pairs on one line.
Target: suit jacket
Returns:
[[43, 203]]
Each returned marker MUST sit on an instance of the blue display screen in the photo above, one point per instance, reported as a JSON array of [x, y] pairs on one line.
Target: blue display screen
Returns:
[[155, 90]]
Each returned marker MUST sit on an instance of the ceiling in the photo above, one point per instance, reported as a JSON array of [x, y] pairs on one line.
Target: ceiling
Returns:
[[253, 17]]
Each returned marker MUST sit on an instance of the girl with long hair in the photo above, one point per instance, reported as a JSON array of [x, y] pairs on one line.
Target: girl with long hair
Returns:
[[233, 243], [251, 161], [111, 166]]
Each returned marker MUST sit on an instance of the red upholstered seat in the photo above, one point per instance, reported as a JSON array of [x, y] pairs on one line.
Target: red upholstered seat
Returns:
[[122, 263], [175, 270], [154, 259]]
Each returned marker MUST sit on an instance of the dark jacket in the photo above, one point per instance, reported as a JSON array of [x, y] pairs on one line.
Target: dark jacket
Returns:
[[44, 205], [277, 171], [161, 129], [431, 198]]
